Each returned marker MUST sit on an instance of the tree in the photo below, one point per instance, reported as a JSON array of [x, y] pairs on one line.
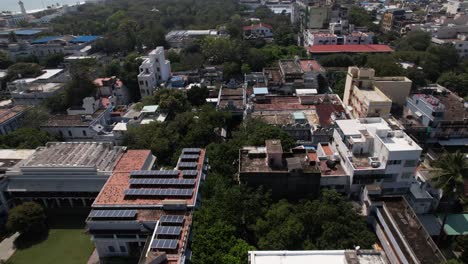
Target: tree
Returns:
[[446, 55], [197, 95], [337, 60], [414, 40], [454, 82], [79, 87], [23, 70], [53, 61], [221, 50], [5, 60], [28, 218], [384, 65], [231, 70], [451, 173], [12, 37], [35, 117], [25, 138], [360, 17]]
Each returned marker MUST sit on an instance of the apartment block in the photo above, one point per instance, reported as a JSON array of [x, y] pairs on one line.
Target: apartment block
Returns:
[[436, 115], [369, 96], [287, 174], [401, 234], [154, 70], [371, 152], [147, 213]]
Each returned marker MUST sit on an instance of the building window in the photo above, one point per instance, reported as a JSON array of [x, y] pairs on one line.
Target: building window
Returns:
[[411, 163], [84, 133], [123, 249], [394, 162], [111, 249], [141, 82], [70, 133], [61, 133]]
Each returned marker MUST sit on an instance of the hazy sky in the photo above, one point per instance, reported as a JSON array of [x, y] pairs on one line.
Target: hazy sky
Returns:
[[12, 5]]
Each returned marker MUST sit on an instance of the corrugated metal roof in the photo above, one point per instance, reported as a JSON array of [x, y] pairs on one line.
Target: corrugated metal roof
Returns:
[[84, 39]]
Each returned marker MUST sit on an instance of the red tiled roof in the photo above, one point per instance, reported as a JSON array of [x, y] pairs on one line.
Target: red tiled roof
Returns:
[[9, 113], [325, 111], [349, 48], [254, 26]]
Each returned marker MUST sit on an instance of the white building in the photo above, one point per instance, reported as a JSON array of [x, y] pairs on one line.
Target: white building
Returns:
[[62, 174], [154, 70], [260, 30], [314, 37], [88, 122], [371, 152], [317, 256], [456, 6]]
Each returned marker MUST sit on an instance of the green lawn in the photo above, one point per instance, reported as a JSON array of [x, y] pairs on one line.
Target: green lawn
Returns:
[[62, 246], [66, 242]]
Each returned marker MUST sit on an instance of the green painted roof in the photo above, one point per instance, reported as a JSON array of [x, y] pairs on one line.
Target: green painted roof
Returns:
[[456, 224]]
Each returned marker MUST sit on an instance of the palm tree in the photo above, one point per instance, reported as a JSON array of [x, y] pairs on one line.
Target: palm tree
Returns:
[[451, 173], [450, 176]]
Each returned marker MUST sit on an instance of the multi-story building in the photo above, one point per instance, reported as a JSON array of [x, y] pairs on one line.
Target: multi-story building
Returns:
[[313, 37], [396, 20], [114, 89], [232, 100], [286, 174], [456, 6], [369, 96], [307, 118], [154, 70], [62, 174], [400, 232], [437, 115], [88, 122], [359, 256], [10, 118], [371, 152], [147, 213], [34, 91]]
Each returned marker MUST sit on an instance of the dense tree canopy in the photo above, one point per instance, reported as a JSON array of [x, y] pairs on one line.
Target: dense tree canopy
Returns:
[[25, 138], [23, 70], [28, 217]]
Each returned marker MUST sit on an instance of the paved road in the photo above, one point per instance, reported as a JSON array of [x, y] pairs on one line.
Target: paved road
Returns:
[[7, 247]]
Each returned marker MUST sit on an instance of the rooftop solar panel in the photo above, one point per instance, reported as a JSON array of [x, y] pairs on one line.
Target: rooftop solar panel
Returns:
[[169, 230], [159, 192], [166, 181], [172, 219], [189, 157], [113, 213], [164, 243], [159, 173], [187, 165], [191, 150]]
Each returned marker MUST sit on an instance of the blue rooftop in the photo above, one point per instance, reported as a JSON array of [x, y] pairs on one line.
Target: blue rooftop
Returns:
[[84, 39], [26, 32], [44, 40], [260, 90]]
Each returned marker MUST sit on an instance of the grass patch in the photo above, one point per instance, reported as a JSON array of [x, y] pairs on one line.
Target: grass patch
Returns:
[[65, 243]]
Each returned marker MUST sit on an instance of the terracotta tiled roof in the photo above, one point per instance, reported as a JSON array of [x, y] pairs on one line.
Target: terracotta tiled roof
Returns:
[[9, 113], [255, 26], [352, 48]]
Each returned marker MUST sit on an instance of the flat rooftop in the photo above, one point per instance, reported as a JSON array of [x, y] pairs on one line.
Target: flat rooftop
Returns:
[[39, 88], [126, 176], [254, 159], [231, 99], [290, 67], [71, 120], [324, 106], [11, 157], [101, 156], [374, 95], [317, 256], [7, 114], [454, 107], [415, 235]]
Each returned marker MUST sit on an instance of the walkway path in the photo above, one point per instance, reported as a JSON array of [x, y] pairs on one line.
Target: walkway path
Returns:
[[94, 258], [7, 247]]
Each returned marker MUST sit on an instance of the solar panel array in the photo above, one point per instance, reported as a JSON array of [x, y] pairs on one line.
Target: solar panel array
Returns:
[[159, 192], [191, 150], [159, 173], [189, 156], [169, 230], [169, 181], [164, 243], [113, 213], [172, 219], [192, 173], [187, 164]]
